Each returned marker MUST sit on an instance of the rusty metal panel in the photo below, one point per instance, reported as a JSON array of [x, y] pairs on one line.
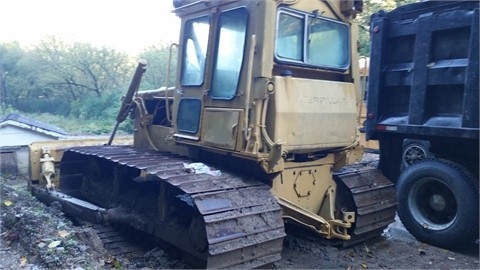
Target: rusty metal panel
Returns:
[[220, 127], [8, 163]]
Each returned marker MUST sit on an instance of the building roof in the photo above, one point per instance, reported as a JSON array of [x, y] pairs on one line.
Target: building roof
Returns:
[[15, 119]]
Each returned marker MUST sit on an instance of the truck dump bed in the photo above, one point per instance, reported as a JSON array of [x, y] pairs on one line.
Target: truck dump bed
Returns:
[[424, 71]]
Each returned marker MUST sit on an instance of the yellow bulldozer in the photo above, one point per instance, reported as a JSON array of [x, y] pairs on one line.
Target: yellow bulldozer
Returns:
[[259, 130]]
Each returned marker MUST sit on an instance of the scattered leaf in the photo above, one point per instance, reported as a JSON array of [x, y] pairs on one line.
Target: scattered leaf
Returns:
[[54, 244], [364, 266], [63, 233], [451, 258], [117, 264], [421, 252], [7, 202], [109, 260], [23, 261]]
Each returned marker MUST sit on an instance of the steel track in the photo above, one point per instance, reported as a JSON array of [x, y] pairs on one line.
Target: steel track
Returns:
[[239, 218]]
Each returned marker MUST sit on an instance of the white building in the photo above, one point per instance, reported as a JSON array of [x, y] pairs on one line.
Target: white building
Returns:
[[16, 133]]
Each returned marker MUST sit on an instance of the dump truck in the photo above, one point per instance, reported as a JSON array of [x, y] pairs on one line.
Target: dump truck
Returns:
[[423, 110], [258, 130]]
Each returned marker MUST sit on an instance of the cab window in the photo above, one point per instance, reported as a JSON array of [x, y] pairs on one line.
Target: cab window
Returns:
[[232, 29], [309, 40], [195, 50]]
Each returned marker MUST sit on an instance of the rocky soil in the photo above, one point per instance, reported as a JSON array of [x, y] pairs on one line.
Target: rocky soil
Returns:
[[34, 236]]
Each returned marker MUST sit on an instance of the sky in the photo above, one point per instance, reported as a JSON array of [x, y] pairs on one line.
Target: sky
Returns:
[[125, 25]]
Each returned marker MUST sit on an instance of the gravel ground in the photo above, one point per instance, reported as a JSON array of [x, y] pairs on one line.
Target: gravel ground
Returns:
[[34, 236]]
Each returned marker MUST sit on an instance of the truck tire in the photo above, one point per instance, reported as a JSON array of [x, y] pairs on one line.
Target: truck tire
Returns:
[[414, 151], [438, 203]]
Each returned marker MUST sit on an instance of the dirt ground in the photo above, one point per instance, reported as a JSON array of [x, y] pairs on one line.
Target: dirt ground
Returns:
[[34, 236]]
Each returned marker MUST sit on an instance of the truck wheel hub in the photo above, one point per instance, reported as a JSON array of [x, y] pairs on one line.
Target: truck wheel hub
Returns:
[[437, 202]]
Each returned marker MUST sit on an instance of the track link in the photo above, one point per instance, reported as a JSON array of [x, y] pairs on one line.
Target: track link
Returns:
[[236, 222], [373, 197], [116, 242]]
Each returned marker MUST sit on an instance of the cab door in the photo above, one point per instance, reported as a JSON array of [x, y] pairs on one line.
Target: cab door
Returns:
[[209, 98]]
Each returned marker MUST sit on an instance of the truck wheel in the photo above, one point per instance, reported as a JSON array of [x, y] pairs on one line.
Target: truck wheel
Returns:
[[438, 203], [414, 151]]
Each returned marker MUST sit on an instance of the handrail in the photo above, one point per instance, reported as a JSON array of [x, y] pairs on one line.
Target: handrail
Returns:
[[167, 103]]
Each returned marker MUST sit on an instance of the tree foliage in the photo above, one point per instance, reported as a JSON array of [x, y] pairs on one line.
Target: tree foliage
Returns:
[[363, 19], [10, 56], [54, 74], [159, 58], [80, 69]]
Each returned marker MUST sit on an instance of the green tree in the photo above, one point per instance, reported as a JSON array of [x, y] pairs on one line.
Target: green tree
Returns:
[[54, 75], [10, 55], [157, 57], [78, 69], [363, 19]]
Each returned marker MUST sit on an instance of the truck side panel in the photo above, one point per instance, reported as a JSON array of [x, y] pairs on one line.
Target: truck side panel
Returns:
[[424, 71]]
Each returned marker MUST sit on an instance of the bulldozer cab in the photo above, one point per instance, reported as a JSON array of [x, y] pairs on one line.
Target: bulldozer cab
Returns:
[[254, 76]]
